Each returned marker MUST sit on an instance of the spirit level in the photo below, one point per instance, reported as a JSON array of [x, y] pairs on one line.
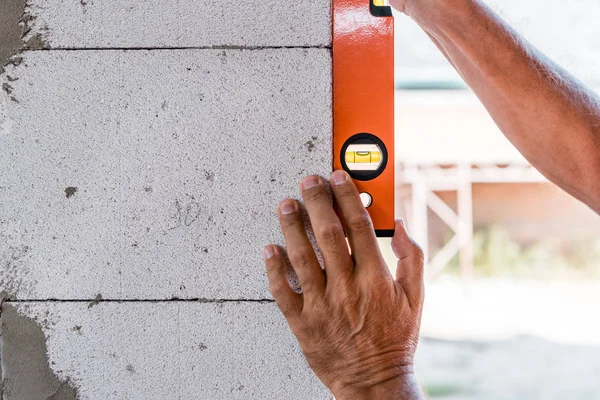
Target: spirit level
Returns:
[[363, 103]]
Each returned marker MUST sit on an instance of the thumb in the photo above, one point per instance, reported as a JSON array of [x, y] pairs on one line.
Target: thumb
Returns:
[[409, 271]]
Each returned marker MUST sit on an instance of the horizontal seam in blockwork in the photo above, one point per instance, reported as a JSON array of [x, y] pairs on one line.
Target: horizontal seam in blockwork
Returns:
[[191, 300], [181, 48]]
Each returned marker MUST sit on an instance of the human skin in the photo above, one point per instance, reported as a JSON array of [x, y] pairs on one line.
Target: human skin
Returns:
[[357, 326]]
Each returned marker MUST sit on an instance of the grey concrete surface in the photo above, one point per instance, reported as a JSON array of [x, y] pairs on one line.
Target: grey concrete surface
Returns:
[[154, 174], [186, 23], [142, 164], [174, 350]]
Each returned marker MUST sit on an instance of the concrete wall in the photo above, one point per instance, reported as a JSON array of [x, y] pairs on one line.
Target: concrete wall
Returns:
[[143, 149]]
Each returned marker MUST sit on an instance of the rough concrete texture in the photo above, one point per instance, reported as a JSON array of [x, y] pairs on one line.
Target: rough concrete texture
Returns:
[[26, 372], [154, 174], [156, 23], [140, 165], [175, 350]]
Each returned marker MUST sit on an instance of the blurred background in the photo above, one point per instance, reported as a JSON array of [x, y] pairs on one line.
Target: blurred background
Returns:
[[513, 275]]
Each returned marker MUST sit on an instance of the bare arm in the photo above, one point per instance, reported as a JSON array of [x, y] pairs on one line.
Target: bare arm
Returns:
[[552, 119]]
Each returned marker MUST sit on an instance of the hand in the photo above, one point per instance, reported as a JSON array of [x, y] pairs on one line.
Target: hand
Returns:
[[357, 326]]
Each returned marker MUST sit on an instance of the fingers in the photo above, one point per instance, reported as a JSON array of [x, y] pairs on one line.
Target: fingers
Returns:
[[409, 272], [356, 221], [288, 301], [327, 228], [299, 249]]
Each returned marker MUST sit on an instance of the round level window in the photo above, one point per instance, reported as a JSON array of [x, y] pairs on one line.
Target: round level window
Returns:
[[364, 156]]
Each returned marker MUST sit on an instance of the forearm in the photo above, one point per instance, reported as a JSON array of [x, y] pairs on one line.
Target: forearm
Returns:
[[547, 114], [401, 388]]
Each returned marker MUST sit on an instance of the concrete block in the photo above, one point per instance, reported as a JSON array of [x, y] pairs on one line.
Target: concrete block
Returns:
[[154, 174], [203, 23], [167, 350]]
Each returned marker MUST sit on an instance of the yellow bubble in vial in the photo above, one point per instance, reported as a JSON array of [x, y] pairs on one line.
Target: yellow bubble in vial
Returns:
[[379, 3], [362, 157]]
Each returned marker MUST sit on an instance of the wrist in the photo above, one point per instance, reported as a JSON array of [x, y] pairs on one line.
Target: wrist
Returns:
[[403, 386]]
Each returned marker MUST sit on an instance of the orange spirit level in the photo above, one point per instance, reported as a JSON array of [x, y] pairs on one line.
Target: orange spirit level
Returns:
[[363, 103]]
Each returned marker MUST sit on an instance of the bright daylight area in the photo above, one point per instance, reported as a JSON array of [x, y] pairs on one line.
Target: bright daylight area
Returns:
[[513, 263]]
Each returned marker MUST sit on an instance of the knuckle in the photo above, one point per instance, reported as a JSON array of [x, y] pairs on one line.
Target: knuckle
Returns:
[[345, 191], [301, 257], [383, 285], [360, 223], [291, 221], [277, 288], [418, 253], [330, 233], [272, 268], [316, 195], [286, 308], [317, 301], [309, 284], [346, 293], [350, 301]]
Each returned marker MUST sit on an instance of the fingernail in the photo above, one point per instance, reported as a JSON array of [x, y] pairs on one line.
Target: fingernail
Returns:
[[287, 207], [402, 222], [268, 252], [339, 177], [310, 182]]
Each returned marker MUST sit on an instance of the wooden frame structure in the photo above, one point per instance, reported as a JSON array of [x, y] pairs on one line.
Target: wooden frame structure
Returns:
[[416, 194]]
